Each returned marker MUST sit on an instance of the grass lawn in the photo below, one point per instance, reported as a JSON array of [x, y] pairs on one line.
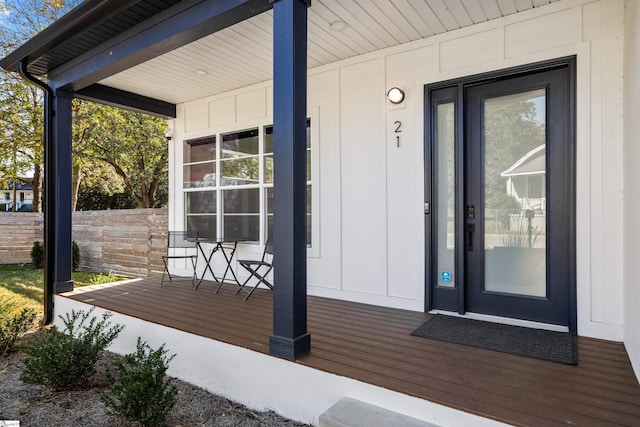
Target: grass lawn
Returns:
[[24, 285]]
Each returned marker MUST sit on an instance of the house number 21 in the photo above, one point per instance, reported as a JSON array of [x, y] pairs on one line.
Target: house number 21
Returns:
[[398, 130]]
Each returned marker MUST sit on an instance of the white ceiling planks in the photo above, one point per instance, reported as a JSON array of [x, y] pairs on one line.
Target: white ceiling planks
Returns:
[[475, 11], [241, 55], [445, 16], [523, 5], [459, 12], [491, 9], [427, 14], [507, 7], [408, 11]]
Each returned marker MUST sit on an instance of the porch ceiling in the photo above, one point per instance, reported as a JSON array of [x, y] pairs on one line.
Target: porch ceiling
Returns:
[[241, 55]]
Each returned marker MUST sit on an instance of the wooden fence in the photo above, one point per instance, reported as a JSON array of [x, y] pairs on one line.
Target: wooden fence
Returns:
[[19, 230], [129, 242]]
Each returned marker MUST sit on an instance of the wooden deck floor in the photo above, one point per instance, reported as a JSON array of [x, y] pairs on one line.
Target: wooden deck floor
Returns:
[[374, 345]]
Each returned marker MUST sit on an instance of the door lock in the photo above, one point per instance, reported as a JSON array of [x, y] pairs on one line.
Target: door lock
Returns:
[[427, 208], [471, 211]]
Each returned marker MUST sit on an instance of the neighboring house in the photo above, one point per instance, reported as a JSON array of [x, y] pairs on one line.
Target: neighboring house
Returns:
[[536, 101], [526, 180], [24, 196]]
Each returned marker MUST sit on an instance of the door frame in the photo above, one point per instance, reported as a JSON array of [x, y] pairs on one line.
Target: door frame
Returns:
[[455, 298]]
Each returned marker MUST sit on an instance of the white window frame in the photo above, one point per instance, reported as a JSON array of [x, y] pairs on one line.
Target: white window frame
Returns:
[[313, 250]]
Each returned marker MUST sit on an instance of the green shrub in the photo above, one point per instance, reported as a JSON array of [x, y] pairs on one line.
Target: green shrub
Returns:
[[503, 202], [67, 360], [13, 326], [140, 391], [75, 252], [104, 278], [37, 254]]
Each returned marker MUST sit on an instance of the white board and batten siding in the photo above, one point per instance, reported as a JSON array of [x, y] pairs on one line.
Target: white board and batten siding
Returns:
[[632, 177], [369, 236]]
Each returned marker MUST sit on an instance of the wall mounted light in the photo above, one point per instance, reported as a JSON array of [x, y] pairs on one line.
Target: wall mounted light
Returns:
[[395, 95], [168, 133]]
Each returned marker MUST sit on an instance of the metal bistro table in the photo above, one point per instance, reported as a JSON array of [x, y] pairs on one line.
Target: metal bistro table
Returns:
[[218, 246]]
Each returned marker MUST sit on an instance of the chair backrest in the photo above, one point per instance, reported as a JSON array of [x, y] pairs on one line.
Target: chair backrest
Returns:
[[182, 239], [268, 248]]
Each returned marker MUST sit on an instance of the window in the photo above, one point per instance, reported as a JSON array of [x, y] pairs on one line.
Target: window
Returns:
[[199, 156], [268, 177], [240, 158], [228, 187]]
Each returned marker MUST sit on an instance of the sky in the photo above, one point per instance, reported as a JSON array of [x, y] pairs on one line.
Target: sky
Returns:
[[3, 12]]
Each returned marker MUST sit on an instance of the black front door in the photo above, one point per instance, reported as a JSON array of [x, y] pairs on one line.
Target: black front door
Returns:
[[500, 193]]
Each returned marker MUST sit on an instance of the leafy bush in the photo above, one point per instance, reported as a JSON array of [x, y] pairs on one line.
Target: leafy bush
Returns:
[[67, 360], [13, 326], [499, 209], [141, 392], [503, 202], [75, 252], [102, 278], [37, 254]]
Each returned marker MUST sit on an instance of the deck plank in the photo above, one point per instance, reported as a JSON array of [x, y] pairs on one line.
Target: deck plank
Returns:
[[373, 344]]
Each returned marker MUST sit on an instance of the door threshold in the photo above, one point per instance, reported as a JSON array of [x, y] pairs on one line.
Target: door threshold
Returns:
[[504, 320]]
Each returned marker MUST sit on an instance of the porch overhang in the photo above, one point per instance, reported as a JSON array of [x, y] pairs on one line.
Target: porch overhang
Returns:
[[100, 38], [135, 45]]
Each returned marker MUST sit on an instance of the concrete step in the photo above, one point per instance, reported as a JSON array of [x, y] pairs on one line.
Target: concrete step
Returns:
[[350, 412]]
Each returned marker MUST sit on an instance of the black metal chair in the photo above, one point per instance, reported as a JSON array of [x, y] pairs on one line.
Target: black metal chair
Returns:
[[254, 267], [187, 241]]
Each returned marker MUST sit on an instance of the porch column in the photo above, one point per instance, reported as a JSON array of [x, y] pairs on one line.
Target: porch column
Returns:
[[290, 338], [57, 196]]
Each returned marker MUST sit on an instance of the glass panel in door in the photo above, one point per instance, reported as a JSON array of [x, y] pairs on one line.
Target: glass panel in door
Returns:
[[442, 197], [445, 195], [514, 193]]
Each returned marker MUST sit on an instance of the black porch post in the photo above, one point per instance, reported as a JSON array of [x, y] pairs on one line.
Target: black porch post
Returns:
[[57, 190], [290, 338], [57, 197]]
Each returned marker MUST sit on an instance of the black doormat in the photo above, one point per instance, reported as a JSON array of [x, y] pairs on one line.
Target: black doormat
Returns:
[[537, 343]]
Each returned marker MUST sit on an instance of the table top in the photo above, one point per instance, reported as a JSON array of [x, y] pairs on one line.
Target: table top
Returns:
[[219, 240]]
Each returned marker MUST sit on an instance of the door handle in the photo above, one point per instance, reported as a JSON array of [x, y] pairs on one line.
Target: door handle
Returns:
[[471, 228]]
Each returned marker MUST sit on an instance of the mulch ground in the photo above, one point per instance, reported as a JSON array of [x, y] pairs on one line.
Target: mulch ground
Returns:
[[34, 405]]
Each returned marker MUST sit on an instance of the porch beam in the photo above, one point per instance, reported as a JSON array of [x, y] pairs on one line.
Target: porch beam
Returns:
[[170, 29], [290, 338], [127, 100]]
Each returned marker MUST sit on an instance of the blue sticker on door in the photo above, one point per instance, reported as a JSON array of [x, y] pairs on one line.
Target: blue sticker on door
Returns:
[[445, 276]]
